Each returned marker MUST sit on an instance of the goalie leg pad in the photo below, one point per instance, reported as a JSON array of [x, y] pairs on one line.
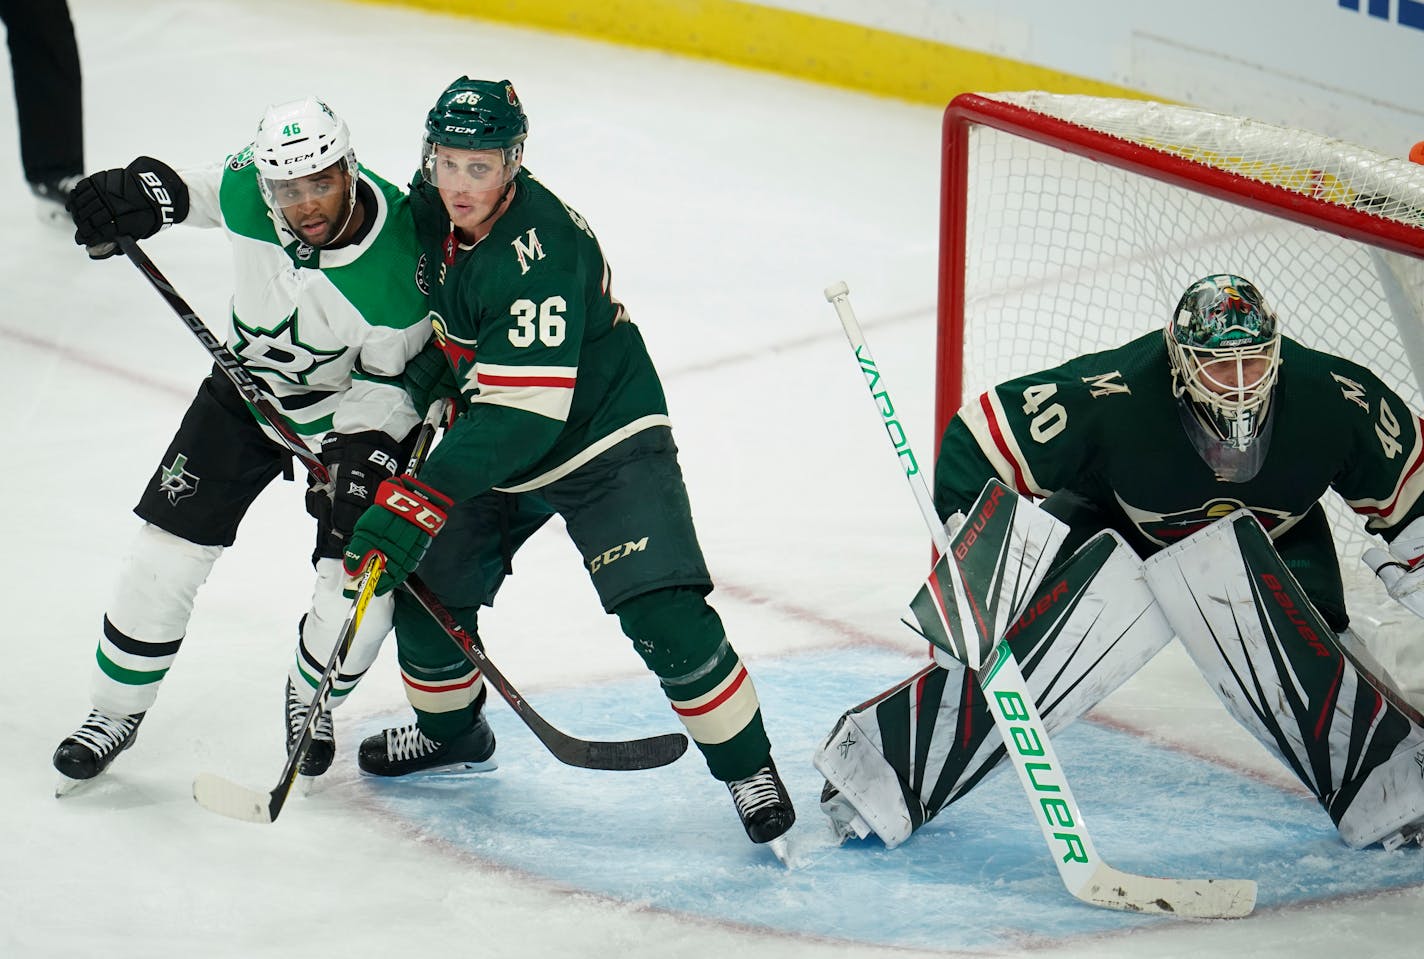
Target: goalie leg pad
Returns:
[[909, 752], [146, 620], [864, 793], [1280, 672]]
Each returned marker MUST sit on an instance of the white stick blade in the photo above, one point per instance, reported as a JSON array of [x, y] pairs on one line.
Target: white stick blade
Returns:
[[1184, 898], [227, 798]]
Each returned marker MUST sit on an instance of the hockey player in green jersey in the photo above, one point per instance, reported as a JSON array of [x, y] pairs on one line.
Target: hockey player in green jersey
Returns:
[[561, 411], [326, 311], [1186, 446]]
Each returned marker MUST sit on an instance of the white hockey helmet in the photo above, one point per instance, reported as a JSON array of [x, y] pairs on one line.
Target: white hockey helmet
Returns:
[[295, 140]]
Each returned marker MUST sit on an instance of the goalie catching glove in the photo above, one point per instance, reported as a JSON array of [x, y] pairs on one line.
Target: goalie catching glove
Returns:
[[1401, 569], [399, 525]]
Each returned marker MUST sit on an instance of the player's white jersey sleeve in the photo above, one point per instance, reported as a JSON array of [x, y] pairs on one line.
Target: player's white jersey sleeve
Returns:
[[204, 191]]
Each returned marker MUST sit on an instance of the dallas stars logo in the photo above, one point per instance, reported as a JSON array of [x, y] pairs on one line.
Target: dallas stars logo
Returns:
[[847, 743], [176, 481], [279, 351]]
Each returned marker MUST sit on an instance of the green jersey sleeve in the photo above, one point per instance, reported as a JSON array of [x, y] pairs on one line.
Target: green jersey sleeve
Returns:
[[1381, 477], [1033, 433]]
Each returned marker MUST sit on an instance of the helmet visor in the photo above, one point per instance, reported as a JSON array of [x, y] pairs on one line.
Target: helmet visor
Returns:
[[305, 189], [316, 207], [468, 171]]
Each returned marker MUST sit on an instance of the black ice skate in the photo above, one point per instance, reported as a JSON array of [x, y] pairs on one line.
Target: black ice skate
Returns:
[[405, 749], [322, 748], [763, 804], [50, 198], [91, 748]]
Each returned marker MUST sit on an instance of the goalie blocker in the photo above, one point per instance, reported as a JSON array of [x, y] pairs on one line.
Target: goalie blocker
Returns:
[[894, 762]]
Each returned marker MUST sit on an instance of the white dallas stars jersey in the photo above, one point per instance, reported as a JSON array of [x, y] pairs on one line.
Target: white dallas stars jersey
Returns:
[[327, 331]]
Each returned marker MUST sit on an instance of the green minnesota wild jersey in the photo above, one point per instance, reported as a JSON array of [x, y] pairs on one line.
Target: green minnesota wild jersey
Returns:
[[328, 331], [551, 371], [1106, 426]]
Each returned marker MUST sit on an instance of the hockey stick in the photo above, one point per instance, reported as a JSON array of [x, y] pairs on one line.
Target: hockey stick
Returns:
[[649, 753], [227, 798], [231, 366], [1021, 727]]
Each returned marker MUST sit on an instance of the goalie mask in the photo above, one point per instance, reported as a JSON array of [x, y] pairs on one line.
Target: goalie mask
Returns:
[[1224, 345], [303, 154], [474, 136]]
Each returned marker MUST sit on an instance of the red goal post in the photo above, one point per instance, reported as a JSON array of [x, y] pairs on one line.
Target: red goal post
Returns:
[[1071, 224]]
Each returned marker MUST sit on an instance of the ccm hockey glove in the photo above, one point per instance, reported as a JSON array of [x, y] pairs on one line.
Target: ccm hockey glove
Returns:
[[1401, 569], [428, 377], [136, 201], [399, 525]]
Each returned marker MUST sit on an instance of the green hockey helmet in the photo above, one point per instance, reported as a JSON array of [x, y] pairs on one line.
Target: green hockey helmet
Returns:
[[469, 116], [1224, 344]]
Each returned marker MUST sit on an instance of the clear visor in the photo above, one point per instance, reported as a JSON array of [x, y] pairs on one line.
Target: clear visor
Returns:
[[333, 181], [468, 171], [307, 198]]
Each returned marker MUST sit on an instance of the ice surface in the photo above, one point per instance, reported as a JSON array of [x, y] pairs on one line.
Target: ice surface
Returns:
[[726, 201]]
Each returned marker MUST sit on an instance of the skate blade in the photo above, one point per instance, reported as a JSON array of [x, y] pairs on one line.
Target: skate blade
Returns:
[[781, 848], [450, 771], [453, 771], [805, 845], [68, 787]]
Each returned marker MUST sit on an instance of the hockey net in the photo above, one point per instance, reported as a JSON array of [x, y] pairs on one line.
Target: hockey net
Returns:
[[1072, 224]]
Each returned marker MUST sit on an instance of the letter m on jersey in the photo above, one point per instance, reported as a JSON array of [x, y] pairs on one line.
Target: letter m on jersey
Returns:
[[527, 248]]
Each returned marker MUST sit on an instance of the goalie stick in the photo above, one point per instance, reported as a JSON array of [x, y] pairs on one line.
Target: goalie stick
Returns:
[[1012, 706], [227, 798], [230, 365]]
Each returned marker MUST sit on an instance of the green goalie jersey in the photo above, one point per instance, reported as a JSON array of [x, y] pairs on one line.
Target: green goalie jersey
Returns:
[[1107, 427], [551, 371]]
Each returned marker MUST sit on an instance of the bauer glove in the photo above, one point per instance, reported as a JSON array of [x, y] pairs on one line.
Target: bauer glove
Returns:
[[1401, 569], [357, 463], [136, 201], [399, 525]]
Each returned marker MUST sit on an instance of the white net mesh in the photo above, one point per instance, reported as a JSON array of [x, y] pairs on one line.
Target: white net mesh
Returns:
[[1067, 255]]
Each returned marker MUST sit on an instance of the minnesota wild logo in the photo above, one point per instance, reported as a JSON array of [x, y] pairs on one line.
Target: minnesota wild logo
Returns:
[[279, 351], [459, 353], [1167, 528], [176, 481]]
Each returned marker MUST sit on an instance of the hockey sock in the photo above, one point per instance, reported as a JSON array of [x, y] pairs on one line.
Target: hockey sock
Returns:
[[145, 623], [681, 639], [440, 683]]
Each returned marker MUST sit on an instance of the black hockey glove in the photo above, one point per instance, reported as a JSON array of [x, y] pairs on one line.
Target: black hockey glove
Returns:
[[136, 201], [358, 462]]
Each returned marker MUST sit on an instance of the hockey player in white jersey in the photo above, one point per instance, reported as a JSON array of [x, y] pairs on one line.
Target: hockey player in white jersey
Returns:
[[325, 313]]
